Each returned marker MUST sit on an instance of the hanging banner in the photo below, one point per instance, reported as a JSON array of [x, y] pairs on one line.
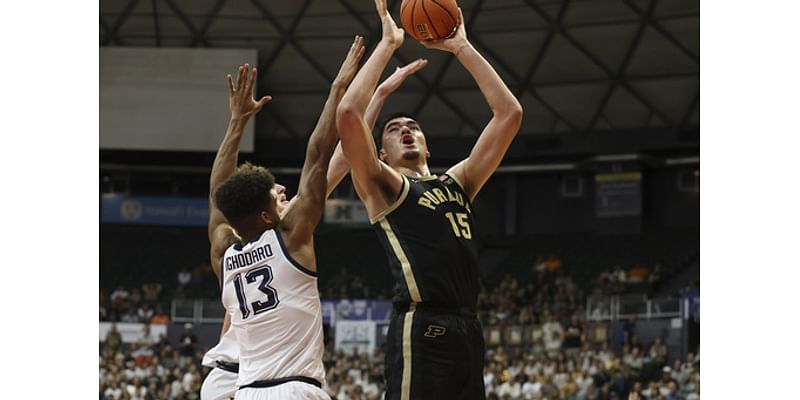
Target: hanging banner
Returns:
[[171, 211]]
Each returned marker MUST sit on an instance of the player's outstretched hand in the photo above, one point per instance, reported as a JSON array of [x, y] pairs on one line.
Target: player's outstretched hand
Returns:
[[454, 44], [400, 74], [350, 65], [240, 96], [391, 33]]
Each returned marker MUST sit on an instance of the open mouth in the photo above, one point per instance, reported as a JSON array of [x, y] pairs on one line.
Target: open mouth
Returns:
[[407, 139]]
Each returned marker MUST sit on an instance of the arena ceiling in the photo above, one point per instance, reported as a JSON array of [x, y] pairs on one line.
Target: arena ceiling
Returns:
[[576, 65]]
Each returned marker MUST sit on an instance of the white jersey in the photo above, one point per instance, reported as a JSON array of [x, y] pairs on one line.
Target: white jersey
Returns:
[[227, 350], [275, 311]]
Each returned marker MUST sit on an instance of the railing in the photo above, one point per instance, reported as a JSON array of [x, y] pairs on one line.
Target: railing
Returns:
[[608, 308], [197, 311], [598, 308]]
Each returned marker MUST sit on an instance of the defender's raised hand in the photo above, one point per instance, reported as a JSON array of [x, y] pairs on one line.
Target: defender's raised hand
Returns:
[[350, 65], [391, 33], [400, 74], [240, 96]]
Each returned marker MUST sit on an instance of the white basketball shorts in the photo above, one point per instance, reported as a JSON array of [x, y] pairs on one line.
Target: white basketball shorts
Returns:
[[219, 385], [293, 390]]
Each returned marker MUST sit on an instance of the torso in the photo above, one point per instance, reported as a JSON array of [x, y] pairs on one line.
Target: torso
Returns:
[[429, 238], [275, 311]]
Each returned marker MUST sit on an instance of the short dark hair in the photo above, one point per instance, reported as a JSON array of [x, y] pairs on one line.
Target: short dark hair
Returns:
[[379, 132], [245, 194]]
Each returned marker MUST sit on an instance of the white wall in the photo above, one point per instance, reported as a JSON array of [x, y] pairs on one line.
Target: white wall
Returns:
[[172, 99]]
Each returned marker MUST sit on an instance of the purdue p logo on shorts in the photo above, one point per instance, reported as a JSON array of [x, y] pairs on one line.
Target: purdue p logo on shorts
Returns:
[[434, 331]]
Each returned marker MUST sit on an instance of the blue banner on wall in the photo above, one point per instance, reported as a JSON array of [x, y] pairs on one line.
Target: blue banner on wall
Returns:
[[172, 211]]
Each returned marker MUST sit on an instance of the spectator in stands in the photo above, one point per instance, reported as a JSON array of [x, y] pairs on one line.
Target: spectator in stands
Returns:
[[151, 292], [658, 352], [573, 336], [129, 315], [510, 387], [553, 334], [187, 341], [120, 294], [637, 274], [145, 313], [135, 389], [113, 340], [532, 388], [184, 277], [113, 391], [135, 298], [160, 317]]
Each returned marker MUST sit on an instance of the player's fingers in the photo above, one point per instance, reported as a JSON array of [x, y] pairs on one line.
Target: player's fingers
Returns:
[[262, 101], [353, 47], [360, 54], [231, 91], [251, 83], [239, 77], [418, 64], [248, 70]]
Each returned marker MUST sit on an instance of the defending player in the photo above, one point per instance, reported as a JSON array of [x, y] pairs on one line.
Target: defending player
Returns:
[[263, 252], [435, 346]]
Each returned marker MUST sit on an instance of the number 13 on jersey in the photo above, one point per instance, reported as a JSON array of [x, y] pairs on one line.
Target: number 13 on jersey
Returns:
[[267, 302], [460, 224]]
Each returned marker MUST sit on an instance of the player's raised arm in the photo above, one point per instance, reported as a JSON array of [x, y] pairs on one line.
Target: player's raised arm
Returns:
[[496, 137], [305, 211], [242, 106], [376, 184], [338, 167]]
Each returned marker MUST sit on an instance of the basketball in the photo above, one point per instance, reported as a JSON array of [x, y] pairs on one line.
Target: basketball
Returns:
[[427, 20]]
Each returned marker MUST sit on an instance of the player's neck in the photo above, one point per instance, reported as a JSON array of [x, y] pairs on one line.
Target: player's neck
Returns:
[[416, 170], [253, 234]]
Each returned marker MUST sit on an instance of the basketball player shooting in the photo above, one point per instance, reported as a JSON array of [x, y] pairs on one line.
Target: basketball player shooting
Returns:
[[435, 347], [262, 250]]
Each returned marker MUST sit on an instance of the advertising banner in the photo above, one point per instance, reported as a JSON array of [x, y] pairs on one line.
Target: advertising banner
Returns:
[[171, 211]]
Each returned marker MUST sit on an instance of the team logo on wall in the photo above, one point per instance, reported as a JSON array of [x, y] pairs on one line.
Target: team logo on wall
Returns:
[[130, 209]]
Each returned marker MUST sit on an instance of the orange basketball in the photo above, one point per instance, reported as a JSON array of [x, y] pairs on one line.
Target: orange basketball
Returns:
[[429, 19]]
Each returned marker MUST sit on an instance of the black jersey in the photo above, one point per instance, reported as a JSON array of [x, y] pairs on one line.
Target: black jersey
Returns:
[[429, 237]]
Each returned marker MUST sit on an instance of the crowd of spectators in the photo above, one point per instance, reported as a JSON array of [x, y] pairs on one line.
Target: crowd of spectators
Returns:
[[150, 302], [142, 304], [555, 354], [150, 368]]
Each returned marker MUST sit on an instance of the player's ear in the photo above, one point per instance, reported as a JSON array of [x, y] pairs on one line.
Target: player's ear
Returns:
[[266, 218], [382, 154]]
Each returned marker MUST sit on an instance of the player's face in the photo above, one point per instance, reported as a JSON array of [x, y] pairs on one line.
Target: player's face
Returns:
[[403, 139], [278, 193]]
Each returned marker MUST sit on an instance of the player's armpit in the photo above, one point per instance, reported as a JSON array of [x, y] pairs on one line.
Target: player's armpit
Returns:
[[222, 237]]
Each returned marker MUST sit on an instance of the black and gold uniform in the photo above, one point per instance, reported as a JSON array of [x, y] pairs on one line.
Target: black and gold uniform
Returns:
[[435, 347]]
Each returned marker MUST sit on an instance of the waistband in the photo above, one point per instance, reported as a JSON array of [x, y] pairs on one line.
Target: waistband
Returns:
[[228, 366], [460, 311], [276, 382]]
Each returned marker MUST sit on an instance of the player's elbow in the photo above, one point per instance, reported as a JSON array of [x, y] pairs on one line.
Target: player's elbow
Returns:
[[347, 117], [510, 115], [513, 111]]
